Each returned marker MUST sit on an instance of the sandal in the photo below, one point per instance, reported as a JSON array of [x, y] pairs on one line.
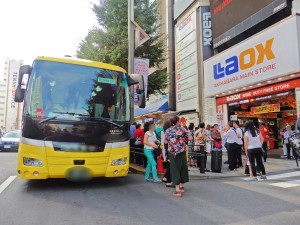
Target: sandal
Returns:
[[181, 190], [177, 194], [164, 181], [157, 180]]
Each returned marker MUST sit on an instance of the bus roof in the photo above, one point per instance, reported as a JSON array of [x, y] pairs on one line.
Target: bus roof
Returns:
[[82, 62]]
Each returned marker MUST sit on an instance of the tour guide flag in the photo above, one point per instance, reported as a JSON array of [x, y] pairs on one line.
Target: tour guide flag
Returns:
[[140, 35]]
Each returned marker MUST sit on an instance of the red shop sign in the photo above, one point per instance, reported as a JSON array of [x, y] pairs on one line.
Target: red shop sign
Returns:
[[271, 89]]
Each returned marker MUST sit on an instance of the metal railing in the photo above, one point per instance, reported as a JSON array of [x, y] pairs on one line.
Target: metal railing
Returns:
[[137, 155]]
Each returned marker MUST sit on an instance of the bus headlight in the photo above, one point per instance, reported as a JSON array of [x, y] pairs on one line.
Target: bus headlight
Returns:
[[119, 162], [32, 162]]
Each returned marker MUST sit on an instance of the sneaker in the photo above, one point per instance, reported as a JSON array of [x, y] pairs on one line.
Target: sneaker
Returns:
[[148, 180], [263, 177], [157, 180], [251, 179]]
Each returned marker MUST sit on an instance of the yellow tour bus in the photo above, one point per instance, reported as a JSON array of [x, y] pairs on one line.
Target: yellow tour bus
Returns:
[[76, 119]]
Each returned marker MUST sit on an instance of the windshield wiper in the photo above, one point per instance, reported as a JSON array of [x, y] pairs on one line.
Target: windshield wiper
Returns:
[[103, 119], [59, 114]]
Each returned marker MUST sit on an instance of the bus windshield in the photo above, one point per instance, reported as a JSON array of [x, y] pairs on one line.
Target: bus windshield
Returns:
[[57, 88]]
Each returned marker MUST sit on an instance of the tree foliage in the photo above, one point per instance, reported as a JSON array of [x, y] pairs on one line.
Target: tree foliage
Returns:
[[108, 42]]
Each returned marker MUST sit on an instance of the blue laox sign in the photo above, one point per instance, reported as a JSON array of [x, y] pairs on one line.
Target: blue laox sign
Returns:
[[245, 60]]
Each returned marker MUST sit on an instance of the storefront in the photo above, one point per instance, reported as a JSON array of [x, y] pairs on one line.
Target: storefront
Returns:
[[275, 105], [257, 79]]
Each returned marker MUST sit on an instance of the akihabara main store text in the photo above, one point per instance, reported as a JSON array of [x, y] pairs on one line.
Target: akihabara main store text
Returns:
[[258, 79]]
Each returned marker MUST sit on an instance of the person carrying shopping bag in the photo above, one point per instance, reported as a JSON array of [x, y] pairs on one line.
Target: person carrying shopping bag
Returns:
[[150, 143]]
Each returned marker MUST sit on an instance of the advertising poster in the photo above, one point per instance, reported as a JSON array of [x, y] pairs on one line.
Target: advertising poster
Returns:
[[141, 66]]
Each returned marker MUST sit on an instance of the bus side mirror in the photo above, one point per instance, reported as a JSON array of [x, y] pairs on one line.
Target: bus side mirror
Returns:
[[19, 95], [26, 69], [139, 79]]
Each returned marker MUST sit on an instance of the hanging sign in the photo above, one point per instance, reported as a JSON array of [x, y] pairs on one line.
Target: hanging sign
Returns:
[[265, 109]]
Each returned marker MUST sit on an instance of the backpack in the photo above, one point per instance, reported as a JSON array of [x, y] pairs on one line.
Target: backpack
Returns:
[[200, 139]]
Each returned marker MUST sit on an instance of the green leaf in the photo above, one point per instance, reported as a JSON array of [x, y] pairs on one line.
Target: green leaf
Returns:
[[109, 41]]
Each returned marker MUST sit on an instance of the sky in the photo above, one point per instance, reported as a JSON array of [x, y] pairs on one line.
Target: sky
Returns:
[[31, 28]]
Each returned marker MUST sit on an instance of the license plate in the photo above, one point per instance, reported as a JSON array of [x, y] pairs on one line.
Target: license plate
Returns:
[[7, 146], [78, 174]]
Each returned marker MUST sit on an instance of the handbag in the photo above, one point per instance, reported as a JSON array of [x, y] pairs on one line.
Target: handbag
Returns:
[[247, 171], [138, 141], [157, 151], [218, 144], [241, 138]]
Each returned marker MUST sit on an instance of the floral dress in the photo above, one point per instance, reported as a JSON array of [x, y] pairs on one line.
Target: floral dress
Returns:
[[177, 138], [191, 143]]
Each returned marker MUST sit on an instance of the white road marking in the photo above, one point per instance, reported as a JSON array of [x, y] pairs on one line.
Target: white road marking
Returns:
[[281, 176], [287, 184], [6, 183]]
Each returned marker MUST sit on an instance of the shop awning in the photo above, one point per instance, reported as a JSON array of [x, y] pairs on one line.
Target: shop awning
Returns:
[[158, 106]]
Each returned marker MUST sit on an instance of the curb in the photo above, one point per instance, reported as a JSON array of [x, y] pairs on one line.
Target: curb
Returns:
[[141, 171], [137, 170]]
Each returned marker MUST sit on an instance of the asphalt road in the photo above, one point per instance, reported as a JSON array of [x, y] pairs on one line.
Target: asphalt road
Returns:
[[131, 201]]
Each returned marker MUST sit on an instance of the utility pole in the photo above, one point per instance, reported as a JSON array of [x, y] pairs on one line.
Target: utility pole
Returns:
[[170, 55], [131, 51]]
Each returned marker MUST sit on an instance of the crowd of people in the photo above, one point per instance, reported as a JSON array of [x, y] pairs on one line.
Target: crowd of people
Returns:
[[179, 144]]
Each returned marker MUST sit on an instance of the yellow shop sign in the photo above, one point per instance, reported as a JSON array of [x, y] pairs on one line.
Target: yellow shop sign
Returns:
[[265, 109]]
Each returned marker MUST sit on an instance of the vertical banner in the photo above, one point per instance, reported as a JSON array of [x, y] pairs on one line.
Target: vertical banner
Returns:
[[141, 66], [297, 93], [186, 63], [207, 47]]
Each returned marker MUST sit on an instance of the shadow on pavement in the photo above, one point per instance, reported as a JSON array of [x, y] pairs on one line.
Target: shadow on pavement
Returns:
[[66, 185]]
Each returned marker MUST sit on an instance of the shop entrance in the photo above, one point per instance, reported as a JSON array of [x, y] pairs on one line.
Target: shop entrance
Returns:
[[275, 110]]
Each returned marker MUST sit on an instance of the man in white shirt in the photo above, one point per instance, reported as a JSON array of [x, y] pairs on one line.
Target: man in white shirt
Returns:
[[239, 142], [231, 139]]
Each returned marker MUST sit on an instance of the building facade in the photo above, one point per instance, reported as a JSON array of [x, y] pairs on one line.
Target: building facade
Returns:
[[10, 111], [192, 35], [255, 74]]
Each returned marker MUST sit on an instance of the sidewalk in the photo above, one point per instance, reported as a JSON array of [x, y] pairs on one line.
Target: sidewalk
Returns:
[[272, 166]]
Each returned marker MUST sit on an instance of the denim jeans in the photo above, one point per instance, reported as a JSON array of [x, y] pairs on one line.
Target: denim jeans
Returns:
[[151, 164]]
